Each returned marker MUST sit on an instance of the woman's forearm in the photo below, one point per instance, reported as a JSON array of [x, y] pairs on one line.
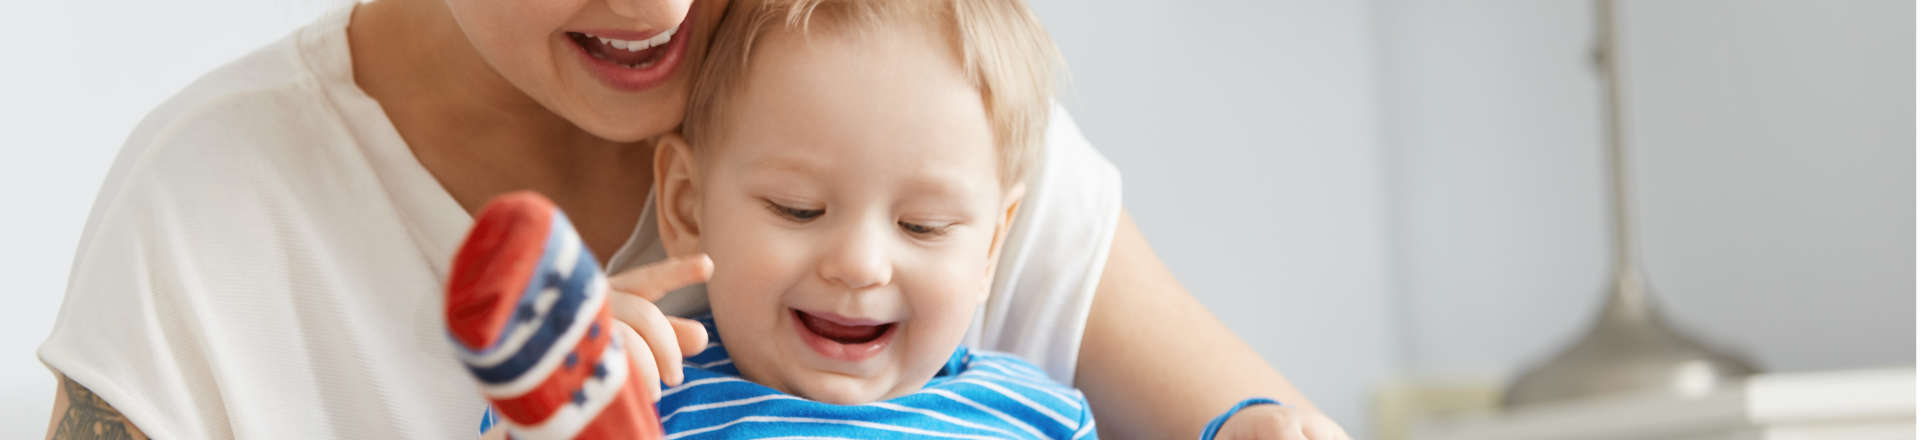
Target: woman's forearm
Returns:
[[1154, 363]]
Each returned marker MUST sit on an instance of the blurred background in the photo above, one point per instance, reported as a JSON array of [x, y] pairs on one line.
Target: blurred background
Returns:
[[1372, 193]]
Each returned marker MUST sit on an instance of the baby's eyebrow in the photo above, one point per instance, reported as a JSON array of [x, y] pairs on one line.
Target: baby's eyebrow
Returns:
[[790, 163], [950, 185]]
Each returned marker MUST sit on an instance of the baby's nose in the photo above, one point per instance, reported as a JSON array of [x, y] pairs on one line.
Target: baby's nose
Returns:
[[859, 261]]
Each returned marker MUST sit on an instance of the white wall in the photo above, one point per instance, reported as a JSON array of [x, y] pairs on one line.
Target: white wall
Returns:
[[77, 76], [1247, 136], [1496, 153], [1774, 147], [1775, 141]]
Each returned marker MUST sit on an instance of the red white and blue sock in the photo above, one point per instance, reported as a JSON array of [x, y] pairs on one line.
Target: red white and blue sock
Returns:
[[527, 311]]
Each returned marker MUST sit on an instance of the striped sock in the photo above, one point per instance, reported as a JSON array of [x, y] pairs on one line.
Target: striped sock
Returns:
[[527, 310]]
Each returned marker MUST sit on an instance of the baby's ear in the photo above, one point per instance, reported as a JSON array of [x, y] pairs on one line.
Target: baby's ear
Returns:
[[676, 195], [1010, 205]]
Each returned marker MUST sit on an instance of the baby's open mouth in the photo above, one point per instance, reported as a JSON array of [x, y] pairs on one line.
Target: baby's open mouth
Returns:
[[633, 54], [842, 332]]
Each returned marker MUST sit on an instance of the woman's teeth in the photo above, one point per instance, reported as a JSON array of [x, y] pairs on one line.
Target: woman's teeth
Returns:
[[639, 65], [638, 45]]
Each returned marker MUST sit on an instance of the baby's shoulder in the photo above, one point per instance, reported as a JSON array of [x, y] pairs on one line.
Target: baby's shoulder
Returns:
[[1005, 373], [999, 364], [1002, 387]]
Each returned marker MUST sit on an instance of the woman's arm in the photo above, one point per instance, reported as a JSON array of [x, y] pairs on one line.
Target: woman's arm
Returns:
[[78, 413], [1154, 363]]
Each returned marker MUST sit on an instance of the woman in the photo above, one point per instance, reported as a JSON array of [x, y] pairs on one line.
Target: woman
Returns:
[[265, 256]]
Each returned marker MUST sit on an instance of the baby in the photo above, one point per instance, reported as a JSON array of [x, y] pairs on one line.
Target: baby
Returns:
[[852, 168]]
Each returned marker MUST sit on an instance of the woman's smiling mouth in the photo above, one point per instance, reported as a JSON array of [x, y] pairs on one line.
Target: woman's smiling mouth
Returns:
[[632, 54], [631, 61]]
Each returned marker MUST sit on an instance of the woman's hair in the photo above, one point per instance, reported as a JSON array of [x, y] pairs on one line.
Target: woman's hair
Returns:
[[1001, 46]]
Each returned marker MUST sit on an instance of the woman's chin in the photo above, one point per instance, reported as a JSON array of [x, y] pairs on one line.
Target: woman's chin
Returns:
[[623, 119], [631, 129]]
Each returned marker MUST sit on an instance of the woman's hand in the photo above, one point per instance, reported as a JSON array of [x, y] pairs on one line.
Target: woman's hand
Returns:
[[1276, 422], [655, 341]]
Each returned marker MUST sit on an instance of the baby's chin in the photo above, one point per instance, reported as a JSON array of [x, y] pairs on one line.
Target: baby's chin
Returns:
[[842, 390]]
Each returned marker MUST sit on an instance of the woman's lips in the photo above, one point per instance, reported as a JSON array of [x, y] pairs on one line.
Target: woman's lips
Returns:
[[839, 338], [608, 57], [632, 54]]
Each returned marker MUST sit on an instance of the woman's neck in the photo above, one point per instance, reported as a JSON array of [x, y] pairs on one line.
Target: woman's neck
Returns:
[[478, 134]]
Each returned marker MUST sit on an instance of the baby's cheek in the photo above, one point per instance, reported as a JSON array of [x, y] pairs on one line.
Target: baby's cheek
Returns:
[[945, 302], [754, 257]]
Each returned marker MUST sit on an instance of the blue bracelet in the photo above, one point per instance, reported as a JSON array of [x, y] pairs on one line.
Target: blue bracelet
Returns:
[[1213, 427]]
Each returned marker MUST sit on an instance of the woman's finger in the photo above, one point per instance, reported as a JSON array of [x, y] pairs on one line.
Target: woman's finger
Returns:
[[693, 335], [1291, 430], [1322, 428], [644, 369], [654, 280], [652, 325]]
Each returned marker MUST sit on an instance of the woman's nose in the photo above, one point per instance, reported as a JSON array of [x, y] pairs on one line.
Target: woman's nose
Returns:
[[654, 14], [858, 260]]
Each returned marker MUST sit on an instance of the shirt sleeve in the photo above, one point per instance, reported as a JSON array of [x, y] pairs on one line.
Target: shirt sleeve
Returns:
[[123, 330], [1044, 282], [1088, 429]]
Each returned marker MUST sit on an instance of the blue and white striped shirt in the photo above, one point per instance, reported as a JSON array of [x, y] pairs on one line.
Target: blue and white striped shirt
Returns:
[[977, 395]]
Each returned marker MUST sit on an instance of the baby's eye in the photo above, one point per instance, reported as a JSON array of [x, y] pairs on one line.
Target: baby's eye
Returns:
[[795, 214], [920, 229]]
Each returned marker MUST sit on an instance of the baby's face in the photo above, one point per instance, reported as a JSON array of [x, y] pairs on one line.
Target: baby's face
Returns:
[[851, 208]]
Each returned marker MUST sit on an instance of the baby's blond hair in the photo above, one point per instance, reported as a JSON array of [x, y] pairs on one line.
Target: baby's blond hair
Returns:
[[1003, 50]]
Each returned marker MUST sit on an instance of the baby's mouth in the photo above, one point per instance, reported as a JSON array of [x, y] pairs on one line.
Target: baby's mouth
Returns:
[[634, 54], [843, 332]]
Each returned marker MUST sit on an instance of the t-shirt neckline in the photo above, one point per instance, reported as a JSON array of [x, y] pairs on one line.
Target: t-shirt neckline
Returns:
[[436, 221]]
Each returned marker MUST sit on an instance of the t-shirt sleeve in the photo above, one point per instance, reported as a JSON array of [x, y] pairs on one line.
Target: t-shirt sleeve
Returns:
[[1044, 283], [1088, 429], [124, 331]]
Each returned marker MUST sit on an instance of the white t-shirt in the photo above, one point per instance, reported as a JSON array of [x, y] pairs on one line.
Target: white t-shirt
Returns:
[[266, 257]]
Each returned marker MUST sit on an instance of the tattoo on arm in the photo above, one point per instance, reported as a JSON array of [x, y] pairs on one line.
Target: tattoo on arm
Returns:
[[89, 417]]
